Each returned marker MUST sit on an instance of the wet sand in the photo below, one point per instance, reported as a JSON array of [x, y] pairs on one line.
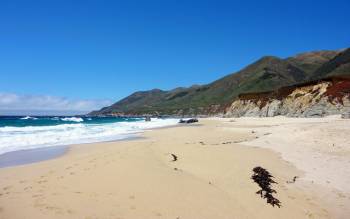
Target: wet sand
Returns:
[[140, 179], [22, 157]]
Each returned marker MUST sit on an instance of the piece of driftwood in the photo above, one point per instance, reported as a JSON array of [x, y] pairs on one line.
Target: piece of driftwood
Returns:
[[174, 157], [263, 178]]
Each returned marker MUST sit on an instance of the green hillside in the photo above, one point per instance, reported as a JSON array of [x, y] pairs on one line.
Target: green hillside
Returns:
[[266, 74]]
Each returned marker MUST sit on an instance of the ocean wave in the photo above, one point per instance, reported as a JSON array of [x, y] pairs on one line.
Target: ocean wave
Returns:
[[29, 137], [72, 119], [29, 129], [29, 117]]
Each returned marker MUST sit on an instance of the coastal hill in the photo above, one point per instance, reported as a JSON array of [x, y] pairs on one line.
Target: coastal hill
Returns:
[[267, 74]]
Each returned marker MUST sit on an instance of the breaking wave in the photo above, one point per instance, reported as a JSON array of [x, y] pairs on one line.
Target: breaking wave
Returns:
[[28, 117], [72, 119], [14, 138]]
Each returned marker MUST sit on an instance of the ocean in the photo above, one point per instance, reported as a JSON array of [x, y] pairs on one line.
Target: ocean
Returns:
[[29, 132]]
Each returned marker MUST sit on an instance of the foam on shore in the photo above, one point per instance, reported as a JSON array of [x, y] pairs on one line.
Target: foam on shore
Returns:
[[30, 137]]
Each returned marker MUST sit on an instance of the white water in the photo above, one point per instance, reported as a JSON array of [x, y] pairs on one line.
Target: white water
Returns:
[[30, 137], [29, 117], [72, 119]]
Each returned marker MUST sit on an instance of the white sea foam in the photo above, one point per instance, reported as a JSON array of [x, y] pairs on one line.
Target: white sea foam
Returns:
[[29, 117], [29, 137], [72, 119]]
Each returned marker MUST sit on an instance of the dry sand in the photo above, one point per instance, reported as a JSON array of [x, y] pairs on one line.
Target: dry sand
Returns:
[[211, 178]]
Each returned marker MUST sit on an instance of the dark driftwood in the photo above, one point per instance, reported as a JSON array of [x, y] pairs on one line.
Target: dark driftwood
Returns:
[[263, 178], [174, 157]]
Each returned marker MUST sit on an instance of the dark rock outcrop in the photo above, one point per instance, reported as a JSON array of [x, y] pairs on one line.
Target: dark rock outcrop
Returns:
[[188, 121]]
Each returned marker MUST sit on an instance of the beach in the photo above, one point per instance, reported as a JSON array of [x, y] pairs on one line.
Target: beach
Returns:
[[200, 170]]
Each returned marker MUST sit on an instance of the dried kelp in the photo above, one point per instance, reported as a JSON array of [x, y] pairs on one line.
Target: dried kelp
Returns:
[[263, 178]]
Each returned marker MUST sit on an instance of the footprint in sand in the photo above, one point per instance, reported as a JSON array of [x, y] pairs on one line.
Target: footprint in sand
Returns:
[[7, 188], [309, 214], [57, 210], [70, 211], [26, 188], [341, 195], [158, 214], [291, 197], [37, 195]]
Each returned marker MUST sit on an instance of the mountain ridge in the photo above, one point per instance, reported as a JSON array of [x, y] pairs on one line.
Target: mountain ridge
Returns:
[[266, 74]]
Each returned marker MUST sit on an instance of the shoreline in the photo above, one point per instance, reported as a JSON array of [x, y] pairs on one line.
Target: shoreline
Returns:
[[131, 179], [34, 155], [28, 156]]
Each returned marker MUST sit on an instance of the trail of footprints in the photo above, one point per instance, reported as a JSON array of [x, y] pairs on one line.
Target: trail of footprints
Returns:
[[36, 188]]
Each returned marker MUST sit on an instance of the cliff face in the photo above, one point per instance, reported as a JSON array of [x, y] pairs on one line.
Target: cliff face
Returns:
[[314, 99]]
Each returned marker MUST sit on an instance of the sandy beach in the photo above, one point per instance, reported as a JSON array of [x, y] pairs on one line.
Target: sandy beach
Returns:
[[211, 178]]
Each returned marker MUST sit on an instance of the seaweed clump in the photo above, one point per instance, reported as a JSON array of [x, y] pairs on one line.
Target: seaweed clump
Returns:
[[263, 178]]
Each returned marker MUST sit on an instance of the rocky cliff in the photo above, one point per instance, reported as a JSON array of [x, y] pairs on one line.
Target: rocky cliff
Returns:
[[313, 99]]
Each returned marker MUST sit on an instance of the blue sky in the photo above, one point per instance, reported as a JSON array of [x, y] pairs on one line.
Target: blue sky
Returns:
[[101, 51]]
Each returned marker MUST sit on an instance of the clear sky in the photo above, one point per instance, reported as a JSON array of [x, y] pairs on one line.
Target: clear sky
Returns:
[[100, 51]]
